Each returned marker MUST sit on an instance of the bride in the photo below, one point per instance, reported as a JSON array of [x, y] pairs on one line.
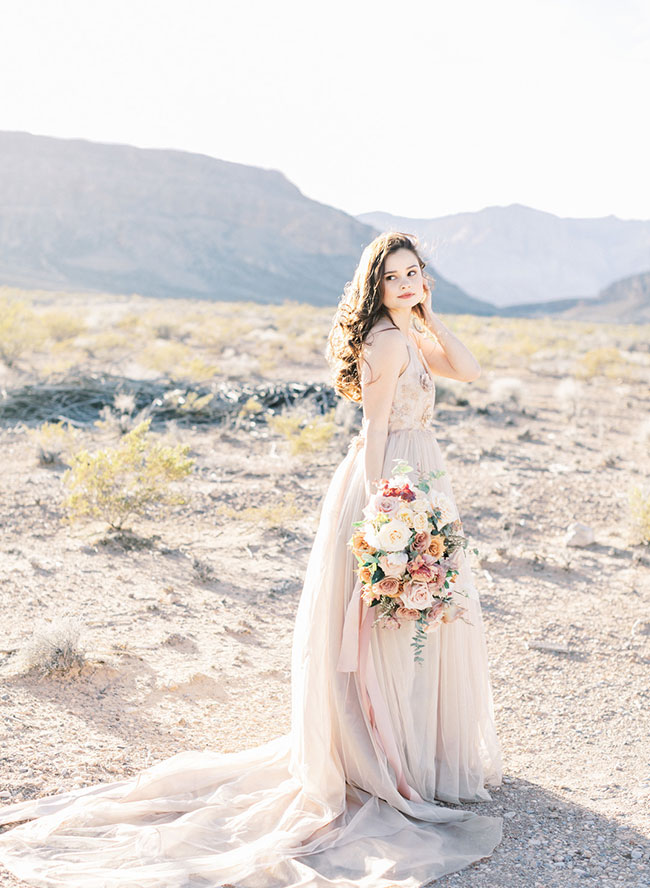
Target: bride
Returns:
[[366, 790]]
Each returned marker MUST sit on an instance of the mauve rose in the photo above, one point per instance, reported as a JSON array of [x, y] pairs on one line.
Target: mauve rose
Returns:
[[434, 617], [407, 613], [389, 622], [416, 595], [420, 571], [386, 504], [421, 541], [388, 586]]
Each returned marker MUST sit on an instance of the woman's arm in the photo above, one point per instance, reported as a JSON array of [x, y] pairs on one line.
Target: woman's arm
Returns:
[[447, 356], [385, 357]]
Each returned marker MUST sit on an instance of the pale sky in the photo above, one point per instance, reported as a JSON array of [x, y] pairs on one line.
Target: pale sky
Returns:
[[418, 109]]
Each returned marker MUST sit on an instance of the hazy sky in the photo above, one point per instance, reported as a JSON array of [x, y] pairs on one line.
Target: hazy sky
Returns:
[[419, 109]]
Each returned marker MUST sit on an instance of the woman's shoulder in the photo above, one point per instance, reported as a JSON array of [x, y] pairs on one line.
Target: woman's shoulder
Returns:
[[386, 333]]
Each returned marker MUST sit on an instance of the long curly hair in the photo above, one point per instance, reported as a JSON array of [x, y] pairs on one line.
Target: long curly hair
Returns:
[[360, 307]]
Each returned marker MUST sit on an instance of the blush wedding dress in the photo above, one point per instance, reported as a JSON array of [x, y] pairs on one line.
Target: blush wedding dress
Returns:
[[358, 793]]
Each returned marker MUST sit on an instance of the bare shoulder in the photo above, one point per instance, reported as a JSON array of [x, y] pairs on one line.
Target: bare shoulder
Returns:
[[385, 339]]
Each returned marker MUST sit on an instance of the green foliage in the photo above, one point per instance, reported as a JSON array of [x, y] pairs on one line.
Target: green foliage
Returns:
[[304, 434], [128, 480]]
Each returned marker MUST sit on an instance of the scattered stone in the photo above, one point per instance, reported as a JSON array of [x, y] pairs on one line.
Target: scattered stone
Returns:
[[579, 535]]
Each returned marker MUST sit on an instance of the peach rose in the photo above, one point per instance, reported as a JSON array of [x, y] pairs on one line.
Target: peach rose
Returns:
[[437, 546], [452, 612], [366, 572], [393, 564], [368, 595], [388, 586], [359, 544], [407, 613]]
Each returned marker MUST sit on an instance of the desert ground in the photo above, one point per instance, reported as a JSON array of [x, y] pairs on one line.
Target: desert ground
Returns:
[[175, 631]]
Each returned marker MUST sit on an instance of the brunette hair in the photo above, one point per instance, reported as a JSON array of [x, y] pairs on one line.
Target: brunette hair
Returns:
[[360, 307]]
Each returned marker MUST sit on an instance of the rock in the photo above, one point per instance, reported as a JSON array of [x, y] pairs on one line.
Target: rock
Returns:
[[579, 535]]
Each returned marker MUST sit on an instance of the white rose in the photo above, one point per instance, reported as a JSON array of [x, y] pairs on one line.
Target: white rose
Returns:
[[421, 502], [405, 515], [440, 501], [420, 522], [393, 536]]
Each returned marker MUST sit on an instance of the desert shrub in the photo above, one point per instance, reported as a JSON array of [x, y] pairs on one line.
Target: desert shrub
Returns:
[[54, 442], [640, 512], [507, 388], [603, 361], [252, 406], [189, 401], [303, 433], [54, 648], [62, 325], [131, 479], [282, 514], [20, 329]]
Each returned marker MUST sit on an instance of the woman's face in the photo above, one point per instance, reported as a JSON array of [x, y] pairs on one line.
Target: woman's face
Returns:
[[402, 281]]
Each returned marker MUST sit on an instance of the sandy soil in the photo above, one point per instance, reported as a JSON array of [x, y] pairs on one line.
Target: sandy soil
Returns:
[[185, 651]]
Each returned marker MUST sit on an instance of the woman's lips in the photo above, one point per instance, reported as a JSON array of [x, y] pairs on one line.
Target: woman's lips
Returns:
[[405, 295]]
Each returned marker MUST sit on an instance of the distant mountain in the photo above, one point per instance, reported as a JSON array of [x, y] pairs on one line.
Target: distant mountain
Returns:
[[81, 215], [624, 302], [515, 254]]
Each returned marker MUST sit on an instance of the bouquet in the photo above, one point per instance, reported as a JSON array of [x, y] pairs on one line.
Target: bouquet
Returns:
[[407, 548]]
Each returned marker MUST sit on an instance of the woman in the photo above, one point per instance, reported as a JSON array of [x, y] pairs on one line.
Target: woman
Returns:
[[351, 796]]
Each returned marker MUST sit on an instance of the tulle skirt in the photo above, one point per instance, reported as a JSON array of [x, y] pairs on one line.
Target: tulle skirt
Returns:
[[354, 796]]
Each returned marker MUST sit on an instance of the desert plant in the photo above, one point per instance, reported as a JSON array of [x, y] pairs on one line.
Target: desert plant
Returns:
[[599, 362], [54, 648], [62, 325], [278, 515], [54, 442], [128, 480], [302, 432], [640, 512], [20, 329]]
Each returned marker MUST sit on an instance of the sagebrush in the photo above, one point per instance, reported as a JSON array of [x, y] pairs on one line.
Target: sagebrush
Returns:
[[131, 479]]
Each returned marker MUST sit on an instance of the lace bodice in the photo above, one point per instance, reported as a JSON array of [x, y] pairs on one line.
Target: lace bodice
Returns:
[[415, 393]]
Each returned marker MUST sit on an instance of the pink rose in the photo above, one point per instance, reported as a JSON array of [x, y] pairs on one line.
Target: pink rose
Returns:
[[388, 586], [416, 595], [422, 541], [407, 613]]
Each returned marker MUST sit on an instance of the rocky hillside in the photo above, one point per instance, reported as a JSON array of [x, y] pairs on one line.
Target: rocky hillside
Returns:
[[79, 215]]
